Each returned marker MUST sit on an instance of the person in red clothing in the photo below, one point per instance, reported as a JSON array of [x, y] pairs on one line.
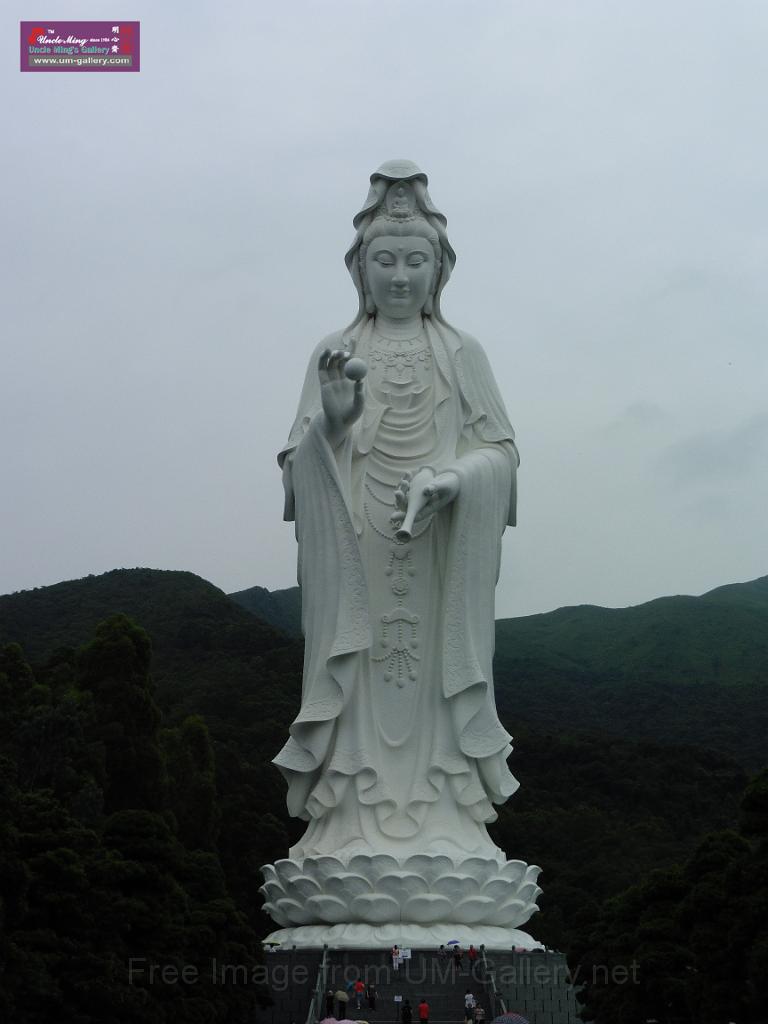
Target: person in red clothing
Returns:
[[359, 991], [472, 956], [424, 1011]]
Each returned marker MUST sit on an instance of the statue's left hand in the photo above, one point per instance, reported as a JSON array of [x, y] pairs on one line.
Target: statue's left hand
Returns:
[[439, 492]]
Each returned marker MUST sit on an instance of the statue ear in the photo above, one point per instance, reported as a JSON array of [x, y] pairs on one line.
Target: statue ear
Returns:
[[370, 306], [429, 305]]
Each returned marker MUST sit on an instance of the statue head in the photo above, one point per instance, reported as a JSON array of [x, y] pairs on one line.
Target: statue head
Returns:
[[399, 207]]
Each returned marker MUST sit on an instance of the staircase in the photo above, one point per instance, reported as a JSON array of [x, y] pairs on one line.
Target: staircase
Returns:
[[535, 984], [424, 975]]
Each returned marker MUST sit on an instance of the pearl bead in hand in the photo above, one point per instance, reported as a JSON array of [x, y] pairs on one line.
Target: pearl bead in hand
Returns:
[[355, 369]]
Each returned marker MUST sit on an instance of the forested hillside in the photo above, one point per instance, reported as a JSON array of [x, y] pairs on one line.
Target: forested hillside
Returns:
[[155, 748], [116, 832], [279, 608]]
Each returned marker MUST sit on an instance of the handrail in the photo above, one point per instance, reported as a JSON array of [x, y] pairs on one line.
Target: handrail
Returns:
[[498, 1005], [314, 1013]]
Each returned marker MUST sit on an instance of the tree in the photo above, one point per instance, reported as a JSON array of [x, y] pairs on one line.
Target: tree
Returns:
[[114, 668]]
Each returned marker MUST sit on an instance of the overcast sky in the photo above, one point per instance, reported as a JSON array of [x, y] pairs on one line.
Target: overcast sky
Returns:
[[172, 250]]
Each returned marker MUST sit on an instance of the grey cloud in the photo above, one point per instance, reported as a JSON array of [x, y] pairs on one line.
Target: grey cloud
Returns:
[[712, 455], [173, 246], [640, 415]]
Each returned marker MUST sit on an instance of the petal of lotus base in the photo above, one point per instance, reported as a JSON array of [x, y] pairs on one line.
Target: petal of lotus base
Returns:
[[498, 889], [400, 885], [322, 868], [268, 870], [428, 867], [346, 886], [515, 913], [514, 870], [480, 868], [455, 886], [294, 912], [373, 867], [473, 909], [510, 913], [272, 890], [287, 868], [428, 908], [326, 908], [302, 887], [375, 908], [528, 892]]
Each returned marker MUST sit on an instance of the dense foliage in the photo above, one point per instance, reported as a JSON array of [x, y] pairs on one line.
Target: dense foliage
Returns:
[[137, 806], [676, 670], [280, 608], [597, 815], [695, 937], [110, 860]]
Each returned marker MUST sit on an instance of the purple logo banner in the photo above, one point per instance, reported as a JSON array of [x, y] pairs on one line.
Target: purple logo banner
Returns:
[[80, 46]]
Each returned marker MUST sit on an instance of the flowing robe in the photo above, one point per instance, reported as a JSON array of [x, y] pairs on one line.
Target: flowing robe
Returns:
[[397, 747]]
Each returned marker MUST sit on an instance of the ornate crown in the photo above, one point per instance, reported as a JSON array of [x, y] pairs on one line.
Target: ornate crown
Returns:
[[399, 204]]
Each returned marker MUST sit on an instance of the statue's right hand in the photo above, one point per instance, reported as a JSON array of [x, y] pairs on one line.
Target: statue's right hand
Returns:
[[342, 398]]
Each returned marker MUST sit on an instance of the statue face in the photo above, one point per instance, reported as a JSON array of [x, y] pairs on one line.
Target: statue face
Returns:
[[400, 271]]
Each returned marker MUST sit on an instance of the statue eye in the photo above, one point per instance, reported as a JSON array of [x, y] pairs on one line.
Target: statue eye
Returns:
[[416, 259], [385, 259]]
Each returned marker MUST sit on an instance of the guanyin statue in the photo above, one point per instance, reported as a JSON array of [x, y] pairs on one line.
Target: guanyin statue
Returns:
[[400, 473]]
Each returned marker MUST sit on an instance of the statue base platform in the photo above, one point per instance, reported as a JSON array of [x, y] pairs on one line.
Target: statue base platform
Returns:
[[405, 935]]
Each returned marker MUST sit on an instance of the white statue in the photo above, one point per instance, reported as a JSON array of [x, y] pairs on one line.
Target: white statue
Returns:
[[400, 472]]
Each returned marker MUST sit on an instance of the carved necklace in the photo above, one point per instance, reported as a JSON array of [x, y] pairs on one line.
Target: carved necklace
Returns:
[[399, 341], [400, 352], [400, 360]]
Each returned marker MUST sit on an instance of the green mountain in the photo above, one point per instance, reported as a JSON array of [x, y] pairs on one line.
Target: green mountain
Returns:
[[137, 768], [595, 809], [675, 670], [178, 608], [720, 638], [279, 608], [208, 654]]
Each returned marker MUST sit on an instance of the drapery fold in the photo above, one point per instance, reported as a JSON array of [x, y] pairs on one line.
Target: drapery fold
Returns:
[[318, 762]]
